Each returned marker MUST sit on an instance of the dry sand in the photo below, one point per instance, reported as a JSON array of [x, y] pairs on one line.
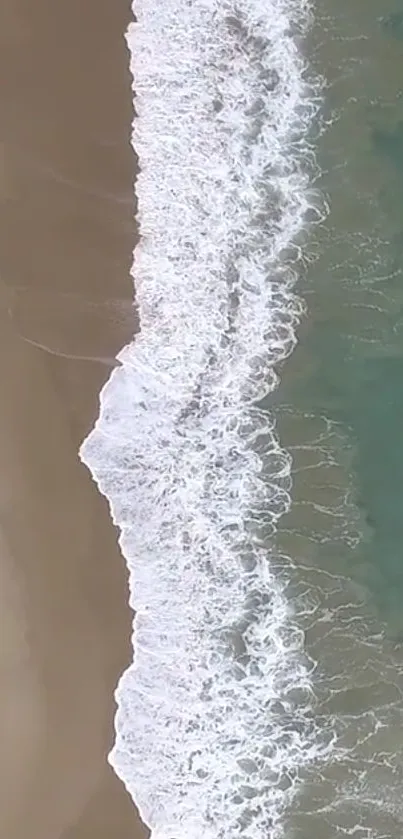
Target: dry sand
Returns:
[[67, 231]]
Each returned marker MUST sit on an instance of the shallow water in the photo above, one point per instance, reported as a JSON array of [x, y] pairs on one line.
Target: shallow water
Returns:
[[340, 412], [349, 363]]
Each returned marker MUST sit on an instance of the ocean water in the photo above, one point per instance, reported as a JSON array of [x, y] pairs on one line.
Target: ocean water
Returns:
[[256, 479]]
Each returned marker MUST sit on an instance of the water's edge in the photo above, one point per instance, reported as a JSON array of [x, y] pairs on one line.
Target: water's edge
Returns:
[[215, 714]]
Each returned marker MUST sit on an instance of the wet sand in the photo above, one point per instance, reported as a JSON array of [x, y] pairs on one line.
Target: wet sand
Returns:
[[67, 233]]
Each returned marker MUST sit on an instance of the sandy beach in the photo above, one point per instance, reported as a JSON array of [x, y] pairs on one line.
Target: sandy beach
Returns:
[[67, 233]]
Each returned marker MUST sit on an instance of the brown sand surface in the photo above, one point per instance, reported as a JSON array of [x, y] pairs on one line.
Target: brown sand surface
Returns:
[[67, 231]]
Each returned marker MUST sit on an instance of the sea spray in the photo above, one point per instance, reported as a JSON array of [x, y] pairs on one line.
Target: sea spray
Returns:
[[214, 716]]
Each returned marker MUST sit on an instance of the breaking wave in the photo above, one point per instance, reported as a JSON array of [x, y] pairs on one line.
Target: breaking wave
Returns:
[[215, 714]]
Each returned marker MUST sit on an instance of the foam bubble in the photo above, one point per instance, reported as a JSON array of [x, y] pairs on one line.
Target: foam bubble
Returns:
[[215, 714]]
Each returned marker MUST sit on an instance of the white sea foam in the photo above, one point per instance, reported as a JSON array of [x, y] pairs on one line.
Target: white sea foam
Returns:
[[215, 714]]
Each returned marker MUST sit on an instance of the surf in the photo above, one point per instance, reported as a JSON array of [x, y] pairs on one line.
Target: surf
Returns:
[[214, 715]]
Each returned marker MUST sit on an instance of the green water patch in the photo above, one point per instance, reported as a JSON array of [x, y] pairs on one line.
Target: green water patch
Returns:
[[377, 419], [390, 144], [392, 24], [347, 371], [365, 395]]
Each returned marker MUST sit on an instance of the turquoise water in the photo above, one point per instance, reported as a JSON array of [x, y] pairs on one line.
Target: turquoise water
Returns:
[[340, 413], [349, 364]]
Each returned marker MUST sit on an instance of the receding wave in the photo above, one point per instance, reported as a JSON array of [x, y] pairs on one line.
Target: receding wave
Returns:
[[215, 714]]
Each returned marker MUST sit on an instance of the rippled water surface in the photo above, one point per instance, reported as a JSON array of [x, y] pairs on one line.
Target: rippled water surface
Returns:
[[340, 412]]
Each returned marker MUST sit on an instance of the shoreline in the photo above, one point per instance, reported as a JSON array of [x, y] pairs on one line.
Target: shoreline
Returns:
[[65, 311]]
